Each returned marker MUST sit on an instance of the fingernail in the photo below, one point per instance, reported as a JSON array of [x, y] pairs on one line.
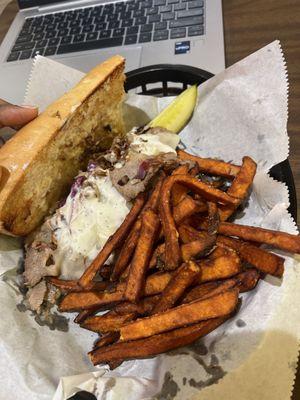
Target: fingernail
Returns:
[[28, 106]]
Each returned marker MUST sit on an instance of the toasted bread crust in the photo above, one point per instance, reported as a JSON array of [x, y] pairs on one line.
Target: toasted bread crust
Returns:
[[29, 146]]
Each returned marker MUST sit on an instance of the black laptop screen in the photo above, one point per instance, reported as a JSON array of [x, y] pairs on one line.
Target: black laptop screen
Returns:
[[35, 3]]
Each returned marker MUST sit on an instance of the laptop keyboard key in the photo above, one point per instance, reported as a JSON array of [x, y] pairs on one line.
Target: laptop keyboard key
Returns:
[[50, 51], [24, 46], [113, 24], [66, 39], [25, 38], [165, 9], [125, 15], [25, 55], [88, 28], [138, 13], [147, 28], [160, 25], [92, 45], [14, 56], [130, 39], [190, 13], [101, 26], [178, 33], [154, 18], [38, 36], [75, 31], [50, 35], [92, 36], [140, 21], [132, 30], [159, 2], [168, 16], [146, 4], [196, 31], [127, 22], [79, 38], [118, 32], [63, 32], [105, 34], [52, 42], [186, 22], [195, 4], [180, 6], [145, 37], [160, 35], [41, 43], [152, 11]]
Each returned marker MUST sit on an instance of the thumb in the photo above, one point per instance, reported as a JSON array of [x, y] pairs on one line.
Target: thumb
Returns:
[[16, 116]]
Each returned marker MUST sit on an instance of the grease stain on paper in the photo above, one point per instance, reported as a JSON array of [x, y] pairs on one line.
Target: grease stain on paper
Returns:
[[169, 389], [240, 323], [215, 371]]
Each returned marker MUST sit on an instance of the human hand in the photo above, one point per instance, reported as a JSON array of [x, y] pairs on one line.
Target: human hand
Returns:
[[16, 116]]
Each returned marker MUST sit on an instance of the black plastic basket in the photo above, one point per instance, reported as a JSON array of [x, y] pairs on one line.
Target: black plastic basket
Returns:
[[169, 80]]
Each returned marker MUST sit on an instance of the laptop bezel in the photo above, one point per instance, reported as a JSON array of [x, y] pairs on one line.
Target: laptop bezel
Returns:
[[23, 4]]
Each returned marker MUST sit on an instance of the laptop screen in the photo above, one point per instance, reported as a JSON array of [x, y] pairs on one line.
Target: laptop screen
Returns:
[[36, 3]]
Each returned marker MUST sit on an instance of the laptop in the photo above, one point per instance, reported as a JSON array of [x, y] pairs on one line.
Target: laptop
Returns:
[[83, 33]]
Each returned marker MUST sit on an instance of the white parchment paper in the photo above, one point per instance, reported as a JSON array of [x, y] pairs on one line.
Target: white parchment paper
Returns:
[[241, 111]]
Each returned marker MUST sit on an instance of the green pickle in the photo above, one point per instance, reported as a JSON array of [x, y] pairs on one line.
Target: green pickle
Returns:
[[177, 114]]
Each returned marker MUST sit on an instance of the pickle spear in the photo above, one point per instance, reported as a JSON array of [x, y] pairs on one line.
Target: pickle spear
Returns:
[[177, 114]]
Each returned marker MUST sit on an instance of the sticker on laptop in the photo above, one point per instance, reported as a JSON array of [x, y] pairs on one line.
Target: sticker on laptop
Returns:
[[182, 47]]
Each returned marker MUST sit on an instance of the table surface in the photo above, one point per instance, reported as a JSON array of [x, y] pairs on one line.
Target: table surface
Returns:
[[248, 26]]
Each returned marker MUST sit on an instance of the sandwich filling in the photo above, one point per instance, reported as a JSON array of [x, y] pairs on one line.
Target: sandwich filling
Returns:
[[99, 201]]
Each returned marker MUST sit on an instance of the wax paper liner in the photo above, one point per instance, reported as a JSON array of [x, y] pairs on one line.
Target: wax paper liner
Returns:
[[241, 111]]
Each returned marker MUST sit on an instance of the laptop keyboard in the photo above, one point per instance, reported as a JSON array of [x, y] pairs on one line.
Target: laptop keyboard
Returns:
[[114, 24]]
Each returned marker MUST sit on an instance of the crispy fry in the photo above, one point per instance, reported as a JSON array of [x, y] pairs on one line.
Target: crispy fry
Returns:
[[157, 258], [186, 314], [144, 306], [84, 314], [73, 286], [142, 255], [211, 166], [209, 289], [127, 251], [239, 187], [85, 300], [220, 267], [279, 240], [113, 242], [155, 344], [179, 191], [172, 252], [109, 322], [197, 248], [187, 207], [189, 234], [266, 262], [247, 280], [106, 339], [181, 280], [213, 219], [153, 201]]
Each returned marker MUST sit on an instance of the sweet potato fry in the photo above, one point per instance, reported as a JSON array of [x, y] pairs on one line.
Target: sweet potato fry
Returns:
[[127, 251], [211, 166], [86, 300], [183, 277], [268, 263], [197, 248], [279, 240], [142, 255], [106, 339], [153, 345], [172, 252], [187, 207], [179, 191], [73, 286], [220, 267], [239, 187], [143, 307], [109, 322], [153, 201], [244, 281], [84, 314], [209, 289], [113, 242], [157, 259], [189, 234], [213, 219], [186, 314]]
